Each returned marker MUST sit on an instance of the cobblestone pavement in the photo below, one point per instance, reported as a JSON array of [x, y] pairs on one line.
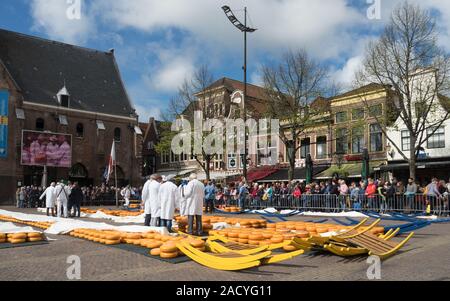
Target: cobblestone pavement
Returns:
[[425, 257]]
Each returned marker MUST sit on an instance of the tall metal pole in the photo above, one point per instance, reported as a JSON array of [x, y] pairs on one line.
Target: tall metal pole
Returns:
[[245, 97]]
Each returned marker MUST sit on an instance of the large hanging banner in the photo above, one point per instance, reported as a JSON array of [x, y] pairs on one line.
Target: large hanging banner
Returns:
[[50, 149], [4, 96]]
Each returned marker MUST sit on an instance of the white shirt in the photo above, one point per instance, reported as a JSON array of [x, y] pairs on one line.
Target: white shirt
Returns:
[[195, 194], [168, 200]]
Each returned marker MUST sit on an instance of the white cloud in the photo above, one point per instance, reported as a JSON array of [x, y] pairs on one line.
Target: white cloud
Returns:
[[281, 24], [346, 75], [50, 16], [145, 112]]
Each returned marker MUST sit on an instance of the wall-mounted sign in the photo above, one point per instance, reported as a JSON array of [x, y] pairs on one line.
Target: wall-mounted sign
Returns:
[[4, 113]]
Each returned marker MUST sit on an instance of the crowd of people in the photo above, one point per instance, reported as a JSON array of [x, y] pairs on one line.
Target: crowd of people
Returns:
[[28, 196], [62, 198]]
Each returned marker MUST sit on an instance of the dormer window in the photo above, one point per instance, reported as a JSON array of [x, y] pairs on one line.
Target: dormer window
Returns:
[[64, 97]]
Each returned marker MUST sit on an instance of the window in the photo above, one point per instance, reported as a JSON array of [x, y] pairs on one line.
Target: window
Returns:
[[406, 140], [341, 117], [305, 148], [321, 145], [357, 114], [341, 141], [165, 157], [437, 140], [80, 130], [357, 140], [40, 124], [376, 138], [376, 110], [117, 134], [150, 145]]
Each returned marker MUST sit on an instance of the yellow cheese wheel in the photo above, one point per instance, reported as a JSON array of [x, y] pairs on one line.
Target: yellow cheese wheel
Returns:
[[155, 252], [169, 255], [34, 239], [34, 235], [243, 241], [19, 236], [243, 236], [254, 242], [112, 237], [2, 236], [154, 245], [302, 234], [289, 248], [233, 235], [133, 236], [169, 247], [255, 236], [197, 243], [277, 239], [17, 241], [112, 242]]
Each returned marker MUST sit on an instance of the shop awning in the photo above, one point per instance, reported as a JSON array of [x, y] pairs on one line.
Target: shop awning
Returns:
[[352, 170], [258, 174], [299, 174], [419, 165]]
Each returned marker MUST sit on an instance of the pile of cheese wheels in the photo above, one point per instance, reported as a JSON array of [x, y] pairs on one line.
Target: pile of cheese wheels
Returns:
[[20, 238], [232, 209], [208, 222], [123, 213], [40, 225], [280, 232], [160, 245]]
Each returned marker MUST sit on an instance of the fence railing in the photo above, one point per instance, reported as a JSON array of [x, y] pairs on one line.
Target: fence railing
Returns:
[[337, 203]]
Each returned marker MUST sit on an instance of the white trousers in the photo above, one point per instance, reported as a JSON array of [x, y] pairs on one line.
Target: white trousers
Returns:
[[61, 204], [127, 201]]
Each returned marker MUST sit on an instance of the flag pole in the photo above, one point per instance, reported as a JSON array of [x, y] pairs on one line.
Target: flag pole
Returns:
[[115, 177]]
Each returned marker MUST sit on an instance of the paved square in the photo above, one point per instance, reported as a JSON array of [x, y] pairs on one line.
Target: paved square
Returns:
[[425, 257]]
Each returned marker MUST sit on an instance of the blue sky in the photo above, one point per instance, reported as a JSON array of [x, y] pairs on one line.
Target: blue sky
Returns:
[[160, 43]]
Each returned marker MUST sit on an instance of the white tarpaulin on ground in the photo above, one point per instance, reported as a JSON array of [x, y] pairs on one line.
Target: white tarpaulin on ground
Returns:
[[64, 226], [334, 214], [10, 228], [117, 219]]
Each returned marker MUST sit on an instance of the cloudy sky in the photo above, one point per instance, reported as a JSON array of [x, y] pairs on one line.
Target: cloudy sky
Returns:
[[159, 43]]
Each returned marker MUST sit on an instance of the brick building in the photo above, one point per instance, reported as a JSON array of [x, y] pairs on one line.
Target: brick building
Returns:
[[60, 88]]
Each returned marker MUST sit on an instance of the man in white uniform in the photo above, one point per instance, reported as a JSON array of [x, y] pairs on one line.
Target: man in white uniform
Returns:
[[152, 206], [169, 202], [146, 200], [195, 194], [50, 198], [126, 194], [182, 198], [62, 198]]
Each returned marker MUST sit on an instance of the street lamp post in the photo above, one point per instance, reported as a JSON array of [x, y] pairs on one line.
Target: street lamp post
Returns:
[[245, 29]]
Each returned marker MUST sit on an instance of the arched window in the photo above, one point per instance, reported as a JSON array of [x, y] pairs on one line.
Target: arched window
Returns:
[[80, 130], [117, 134], [40, 124]]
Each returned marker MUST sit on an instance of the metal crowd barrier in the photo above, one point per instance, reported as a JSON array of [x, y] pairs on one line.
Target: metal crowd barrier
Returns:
[[337, 203]]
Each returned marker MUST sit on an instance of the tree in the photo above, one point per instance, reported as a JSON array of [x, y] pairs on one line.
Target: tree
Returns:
[[193, 95], [408, 61], [291, 87]]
